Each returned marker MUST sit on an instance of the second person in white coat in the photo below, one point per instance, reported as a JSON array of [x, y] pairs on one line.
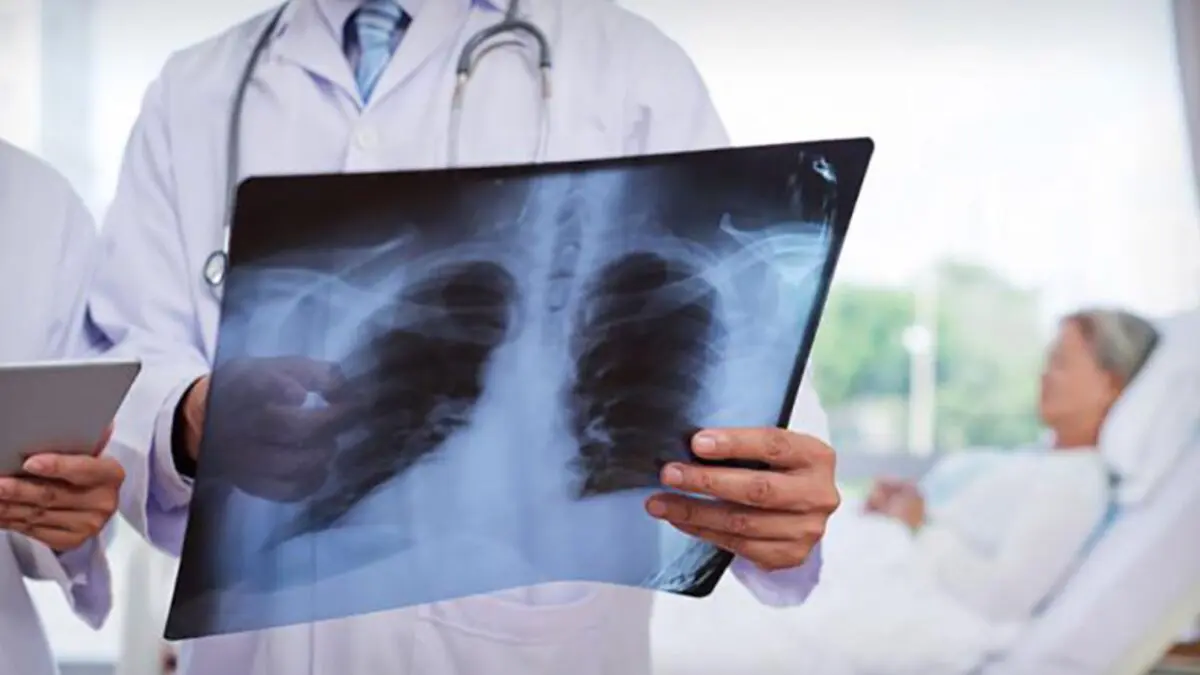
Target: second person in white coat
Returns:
[[620, 88], [51, 521]]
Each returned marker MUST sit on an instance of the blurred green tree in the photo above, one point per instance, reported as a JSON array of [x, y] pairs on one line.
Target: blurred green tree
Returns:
[[858, 351], [989, 354]]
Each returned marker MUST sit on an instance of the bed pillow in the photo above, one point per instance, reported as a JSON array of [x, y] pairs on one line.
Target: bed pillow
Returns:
[[1158, 414]]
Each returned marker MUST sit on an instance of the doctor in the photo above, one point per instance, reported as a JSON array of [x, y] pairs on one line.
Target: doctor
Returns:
[[367, 85], [51, 522]]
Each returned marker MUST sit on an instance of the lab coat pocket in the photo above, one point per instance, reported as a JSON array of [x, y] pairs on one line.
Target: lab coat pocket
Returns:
[[568, 629]]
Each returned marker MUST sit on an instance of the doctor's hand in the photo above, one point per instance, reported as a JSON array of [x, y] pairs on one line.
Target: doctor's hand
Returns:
[[62, 499], [269, 425], [772, 517]]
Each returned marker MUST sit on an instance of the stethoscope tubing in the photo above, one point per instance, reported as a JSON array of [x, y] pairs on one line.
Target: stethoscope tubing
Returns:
[[216, 265]]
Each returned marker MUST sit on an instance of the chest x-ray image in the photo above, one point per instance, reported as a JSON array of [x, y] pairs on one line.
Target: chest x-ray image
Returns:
[[433, 385]]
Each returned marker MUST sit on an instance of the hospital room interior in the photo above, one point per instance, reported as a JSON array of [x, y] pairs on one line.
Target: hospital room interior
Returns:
[[1030, 220]]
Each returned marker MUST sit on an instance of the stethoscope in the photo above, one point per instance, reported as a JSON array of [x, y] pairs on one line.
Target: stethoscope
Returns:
[[217, 263]]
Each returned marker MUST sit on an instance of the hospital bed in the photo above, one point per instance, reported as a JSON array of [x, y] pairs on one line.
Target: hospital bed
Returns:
[[1138, 588], [1130, 598]]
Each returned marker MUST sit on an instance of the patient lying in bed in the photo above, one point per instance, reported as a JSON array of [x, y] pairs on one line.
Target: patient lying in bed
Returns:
[[991, 539], [932, 578], [1000, 542]]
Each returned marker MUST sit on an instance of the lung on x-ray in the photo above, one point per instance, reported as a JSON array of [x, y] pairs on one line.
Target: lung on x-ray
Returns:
[[432, 385]]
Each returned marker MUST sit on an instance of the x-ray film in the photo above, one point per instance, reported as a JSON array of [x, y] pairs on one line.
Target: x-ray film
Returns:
[[440, 384]]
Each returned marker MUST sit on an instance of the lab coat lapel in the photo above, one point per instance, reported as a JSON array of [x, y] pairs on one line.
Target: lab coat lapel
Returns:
[[305, 40], [437, 25]]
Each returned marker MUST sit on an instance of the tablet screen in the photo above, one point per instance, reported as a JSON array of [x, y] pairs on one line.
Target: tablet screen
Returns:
[[58, 406]]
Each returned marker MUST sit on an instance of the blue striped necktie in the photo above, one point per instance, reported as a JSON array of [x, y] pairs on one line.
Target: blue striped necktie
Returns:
[[376, 29]]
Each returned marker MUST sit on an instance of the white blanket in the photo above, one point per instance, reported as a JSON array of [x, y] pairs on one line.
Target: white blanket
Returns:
[[875, 613], [880, 608]]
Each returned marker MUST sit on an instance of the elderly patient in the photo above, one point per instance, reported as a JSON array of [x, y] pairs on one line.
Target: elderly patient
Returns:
[[937, 578], [1002, 541]]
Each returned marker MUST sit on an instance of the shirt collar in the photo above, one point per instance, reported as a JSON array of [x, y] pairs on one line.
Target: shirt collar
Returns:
[[337, 12]]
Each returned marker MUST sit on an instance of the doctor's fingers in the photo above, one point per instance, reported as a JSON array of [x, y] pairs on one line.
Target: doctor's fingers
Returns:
[[732, 519], [283, 489], [53, 494], [292, 461], [769, 555], [23, 518], [59, 539], [43, 496], [281, 473], [779, 448], [80, 471], [310, 374], [799, 492], [289, 425]]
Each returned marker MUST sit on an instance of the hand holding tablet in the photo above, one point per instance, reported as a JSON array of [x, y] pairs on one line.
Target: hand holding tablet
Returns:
[[54, 423]]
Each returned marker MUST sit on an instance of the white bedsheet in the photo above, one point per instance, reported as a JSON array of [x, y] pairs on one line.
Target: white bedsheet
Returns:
[[1146, 563], [875, 613]]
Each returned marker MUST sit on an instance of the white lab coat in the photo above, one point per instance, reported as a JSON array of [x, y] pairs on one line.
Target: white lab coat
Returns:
[[146, 604], [47, 253], [620, 88]]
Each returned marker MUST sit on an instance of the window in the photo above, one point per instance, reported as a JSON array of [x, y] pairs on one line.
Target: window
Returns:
[[1031, 159], [72, 83], [19, 44]]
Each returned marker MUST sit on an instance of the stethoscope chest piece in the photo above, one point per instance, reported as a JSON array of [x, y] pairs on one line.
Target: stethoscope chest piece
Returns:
[[215, 267]]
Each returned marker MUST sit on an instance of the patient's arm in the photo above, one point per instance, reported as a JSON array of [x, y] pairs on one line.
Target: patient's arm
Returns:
[[1052, 516]]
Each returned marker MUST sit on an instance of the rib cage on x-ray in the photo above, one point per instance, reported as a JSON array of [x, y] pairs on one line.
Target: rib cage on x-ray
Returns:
[[643, 344], [642, 321], [423, 375]]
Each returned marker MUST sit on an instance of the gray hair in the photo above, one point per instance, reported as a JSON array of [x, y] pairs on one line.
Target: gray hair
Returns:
[[1121, 341]]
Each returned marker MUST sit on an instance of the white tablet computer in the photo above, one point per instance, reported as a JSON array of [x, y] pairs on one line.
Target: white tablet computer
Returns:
[[53, 404]]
